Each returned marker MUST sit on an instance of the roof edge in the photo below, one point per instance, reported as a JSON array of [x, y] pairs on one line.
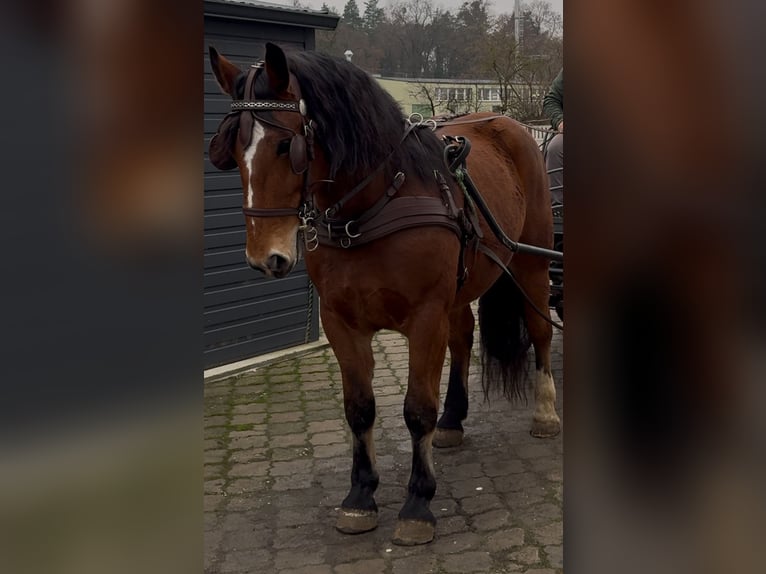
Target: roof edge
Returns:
[[273, 15]]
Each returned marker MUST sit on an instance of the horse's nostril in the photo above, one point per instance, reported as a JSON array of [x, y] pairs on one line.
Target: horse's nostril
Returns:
[[275, 261], [278, 264]]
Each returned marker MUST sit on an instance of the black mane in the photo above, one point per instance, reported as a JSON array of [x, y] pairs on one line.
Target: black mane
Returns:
[[358, 123]]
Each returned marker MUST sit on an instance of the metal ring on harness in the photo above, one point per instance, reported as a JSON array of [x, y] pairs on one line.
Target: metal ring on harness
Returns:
[[416, 114], [351, 235]]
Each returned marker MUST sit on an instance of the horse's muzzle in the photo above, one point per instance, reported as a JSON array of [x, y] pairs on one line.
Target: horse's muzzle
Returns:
[[277, 265]]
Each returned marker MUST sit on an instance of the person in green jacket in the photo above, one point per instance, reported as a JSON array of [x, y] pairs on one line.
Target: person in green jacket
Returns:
[[553, 107]]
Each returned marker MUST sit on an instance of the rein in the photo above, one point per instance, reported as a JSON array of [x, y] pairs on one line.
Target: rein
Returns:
[[455, 154]]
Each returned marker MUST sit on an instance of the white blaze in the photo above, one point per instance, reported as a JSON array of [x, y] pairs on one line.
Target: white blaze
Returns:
[[257, 136]]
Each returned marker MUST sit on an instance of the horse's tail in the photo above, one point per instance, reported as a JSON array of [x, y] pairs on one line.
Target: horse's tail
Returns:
[[504, 339]]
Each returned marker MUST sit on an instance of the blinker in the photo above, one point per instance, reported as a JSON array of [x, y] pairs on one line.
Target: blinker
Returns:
[[245, 128], [298, 157]]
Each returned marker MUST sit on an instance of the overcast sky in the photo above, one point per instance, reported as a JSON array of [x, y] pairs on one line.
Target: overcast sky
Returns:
[[500, 6]]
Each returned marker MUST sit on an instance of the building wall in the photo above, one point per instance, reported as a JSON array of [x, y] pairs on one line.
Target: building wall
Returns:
[[472, 95]]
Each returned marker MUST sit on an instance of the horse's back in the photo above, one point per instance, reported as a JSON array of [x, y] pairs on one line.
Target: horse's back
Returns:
[[508, 169]]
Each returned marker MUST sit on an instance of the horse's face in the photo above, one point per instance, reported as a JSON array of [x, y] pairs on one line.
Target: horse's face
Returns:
[[271, 163]]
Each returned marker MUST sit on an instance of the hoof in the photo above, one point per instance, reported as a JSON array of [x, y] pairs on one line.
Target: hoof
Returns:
[[545, 429], [351, 521], [413, 532], [445, 438]]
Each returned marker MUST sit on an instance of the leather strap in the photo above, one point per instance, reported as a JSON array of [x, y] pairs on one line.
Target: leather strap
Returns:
[[400, 213]]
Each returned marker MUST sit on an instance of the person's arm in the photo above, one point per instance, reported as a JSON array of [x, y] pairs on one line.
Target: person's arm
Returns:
[[553, 103]]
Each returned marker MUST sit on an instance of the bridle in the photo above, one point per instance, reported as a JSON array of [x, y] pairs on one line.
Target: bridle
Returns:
[[301, 153]]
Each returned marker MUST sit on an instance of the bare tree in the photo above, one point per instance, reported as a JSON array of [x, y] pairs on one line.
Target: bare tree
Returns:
[[427, 92]]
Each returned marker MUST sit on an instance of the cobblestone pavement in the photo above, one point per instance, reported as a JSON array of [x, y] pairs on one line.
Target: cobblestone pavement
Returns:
[[277, 464]]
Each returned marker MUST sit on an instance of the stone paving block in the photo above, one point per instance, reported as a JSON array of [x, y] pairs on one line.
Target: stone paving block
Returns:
[[332, 437], [455, 543], [540, 514], [245, 485], [284, 407], [283, 428], [522, 482], [422, 564], [286, 417], [247, 419], [299, 557], [313, 569], [297, 516], [216, 421], [549, 534], [249, 408], [249, 454], [289, 453], [211, 501], [450, 525], [505, 539], [297, 536], [533, 451], [371, 566], [491, 520], [317, 385], [333, 414], [469, 487], [481, 503], [496, 468], [245, 562], [288, 367], [330, 450], [325, 426], [236, 435], [250, 469], [281, 441], [555, 555], [291, 467], [214, 485], [468, 562], [527, 555], [292, 482]]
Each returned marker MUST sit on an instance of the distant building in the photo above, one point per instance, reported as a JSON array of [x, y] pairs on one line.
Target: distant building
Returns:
[[432, 96]]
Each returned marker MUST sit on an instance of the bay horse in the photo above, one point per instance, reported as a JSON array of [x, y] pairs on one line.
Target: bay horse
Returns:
[[333, 171]]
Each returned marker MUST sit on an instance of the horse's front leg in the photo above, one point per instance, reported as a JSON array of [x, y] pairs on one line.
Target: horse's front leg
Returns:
[[353, 349], [427, 347]]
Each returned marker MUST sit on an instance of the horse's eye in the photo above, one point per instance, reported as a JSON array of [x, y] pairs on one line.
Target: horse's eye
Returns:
[[283, 147]]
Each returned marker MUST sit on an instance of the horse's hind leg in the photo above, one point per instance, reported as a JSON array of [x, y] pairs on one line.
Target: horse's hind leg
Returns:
[[358, 512], [449, 429], [428, 345], [532, 274]]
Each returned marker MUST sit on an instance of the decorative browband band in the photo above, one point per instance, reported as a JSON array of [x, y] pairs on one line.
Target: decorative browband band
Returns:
[[244, 105]]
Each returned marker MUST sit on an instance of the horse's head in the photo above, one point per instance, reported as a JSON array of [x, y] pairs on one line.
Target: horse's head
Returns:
[[265, 137]]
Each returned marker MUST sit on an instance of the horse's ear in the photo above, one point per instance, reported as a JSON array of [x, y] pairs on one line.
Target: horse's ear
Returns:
[[276, 68], [225, 72]]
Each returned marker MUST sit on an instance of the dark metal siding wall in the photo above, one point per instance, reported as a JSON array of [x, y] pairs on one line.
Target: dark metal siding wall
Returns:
[[245, 314]]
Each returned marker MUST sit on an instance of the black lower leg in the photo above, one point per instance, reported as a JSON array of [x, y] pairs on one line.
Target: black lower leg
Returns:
[[421, 421], [456, 403], [364, 476]]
